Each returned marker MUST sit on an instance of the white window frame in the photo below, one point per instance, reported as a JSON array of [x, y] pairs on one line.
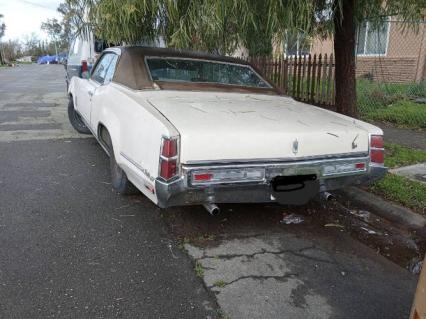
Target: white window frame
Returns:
[[365, 41], [297, 47]]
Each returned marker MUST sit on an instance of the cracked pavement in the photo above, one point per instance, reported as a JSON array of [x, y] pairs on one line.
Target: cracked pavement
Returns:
[[292, 274], [33, 104]]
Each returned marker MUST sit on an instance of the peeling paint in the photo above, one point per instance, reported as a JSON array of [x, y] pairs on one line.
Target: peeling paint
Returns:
[[332, 134], [268, 118], [196, 108], [303, 123]]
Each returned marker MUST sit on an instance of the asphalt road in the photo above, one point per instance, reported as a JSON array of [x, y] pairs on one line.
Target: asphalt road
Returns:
[[70, 246], [73, 248]]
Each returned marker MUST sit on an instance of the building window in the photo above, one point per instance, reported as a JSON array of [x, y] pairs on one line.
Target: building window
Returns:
[[297, 44], [372, 40]]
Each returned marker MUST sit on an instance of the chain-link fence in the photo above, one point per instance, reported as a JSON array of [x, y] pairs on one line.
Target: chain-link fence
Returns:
[[391, 73]]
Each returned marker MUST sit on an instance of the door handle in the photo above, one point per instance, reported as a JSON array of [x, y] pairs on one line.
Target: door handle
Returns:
[[90, 93]]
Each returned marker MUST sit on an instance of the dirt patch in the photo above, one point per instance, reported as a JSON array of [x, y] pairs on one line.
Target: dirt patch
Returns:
[[195, 225]]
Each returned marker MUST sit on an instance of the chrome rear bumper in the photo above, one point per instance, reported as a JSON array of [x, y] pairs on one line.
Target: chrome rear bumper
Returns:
[[180, 191]]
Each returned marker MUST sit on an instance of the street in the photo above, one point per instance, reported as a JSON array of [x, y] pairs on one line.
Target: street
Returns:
[[73, 248]]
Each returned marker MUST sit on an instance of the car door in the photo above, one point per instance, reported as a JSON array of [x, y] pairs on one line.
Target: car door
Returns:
[[99, 98], [88, 87]]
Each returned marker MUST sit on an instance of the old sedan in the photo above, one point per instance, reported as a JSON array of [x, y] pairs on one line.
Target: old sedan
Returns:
[[189, 128]]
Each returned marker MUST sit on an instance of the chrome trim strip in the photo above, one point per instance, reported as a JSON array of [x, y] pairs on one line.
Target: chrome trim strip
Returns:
[[276, 169], [168, 158], [134, 163], [178, 193], [279, 160]]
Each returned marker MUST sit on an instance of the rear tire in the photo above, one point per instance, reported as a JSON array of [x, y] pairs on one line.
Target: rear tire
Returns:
[[119, 179], [75, 119]]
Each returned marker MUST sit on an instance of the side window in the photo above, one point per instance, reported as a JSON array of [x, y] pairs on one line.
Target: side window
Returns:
[[111, 69], [100, 72]]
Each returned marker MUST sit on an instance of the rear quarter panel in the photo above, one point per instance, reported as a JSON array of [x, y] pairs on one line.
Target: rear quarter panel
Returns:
[[136, 129]]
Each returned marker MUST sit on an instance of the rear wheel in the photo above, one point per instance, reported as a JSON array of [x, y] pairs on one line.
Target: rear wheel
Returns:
[[75, 119], [119, 179]]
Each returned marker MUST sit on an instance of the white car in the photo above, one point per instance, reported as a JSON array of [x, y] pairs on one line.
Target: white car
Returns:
[[191, 128]]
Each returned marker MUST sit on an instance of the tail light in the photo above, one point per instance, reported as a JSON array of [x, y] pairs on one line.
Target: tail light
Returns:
[[84, 67], [169, 158], [377, 151]]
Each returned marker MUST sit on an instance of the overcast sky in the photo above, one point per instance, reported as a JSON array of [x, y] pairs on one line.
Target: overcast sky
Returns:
[[25, 16]]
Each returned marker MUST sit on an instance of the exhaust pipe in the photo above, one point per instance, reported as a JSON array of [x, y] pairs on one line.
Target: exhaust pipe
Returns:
[[327, 196], [212, 209]]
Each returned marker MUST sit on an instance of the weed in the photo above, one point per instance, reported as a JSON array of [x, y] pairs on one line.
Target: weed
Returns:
[[219, 283], [199, 270]]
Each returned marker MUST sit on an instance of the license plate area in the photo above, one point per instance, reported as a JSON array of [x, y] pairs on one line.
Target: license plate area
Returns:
[[291, 183], [295, 189]]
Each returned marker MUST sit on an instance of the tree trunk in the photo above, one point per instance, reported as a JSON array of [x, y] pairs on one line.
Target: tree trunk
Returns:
[[344, 49]]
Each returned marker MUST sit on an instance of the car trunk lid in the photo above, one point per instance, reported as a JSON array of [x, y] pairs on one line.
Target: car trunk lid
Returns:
[[234, 127]]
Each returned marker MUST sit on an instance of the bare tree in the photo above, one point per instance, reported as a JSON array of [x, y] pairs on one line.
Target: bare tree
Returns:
[[2, 31], [54, 29]]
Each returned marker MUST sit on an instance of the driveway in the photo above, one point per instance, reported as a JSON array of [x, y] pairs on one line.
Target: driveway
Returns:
[[73, 248]]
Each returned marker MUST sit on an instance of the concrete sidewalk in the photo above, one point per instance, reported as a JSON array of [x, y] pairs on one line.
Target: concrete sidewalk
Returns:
[[288, 275], [404, 136], [416, 172]]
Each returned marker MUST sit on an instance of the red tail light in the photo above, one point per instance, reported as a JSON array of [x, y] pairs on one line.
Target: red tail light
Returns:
[[168, 168], [360, 165], [169, 158], [377, 151], [203, 177], [169, 148], [376, 141], [84, 67]]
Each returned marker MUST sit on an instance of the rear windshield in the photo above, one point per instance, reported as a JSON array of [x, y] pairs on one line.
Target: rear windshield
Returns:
[[202, 71]]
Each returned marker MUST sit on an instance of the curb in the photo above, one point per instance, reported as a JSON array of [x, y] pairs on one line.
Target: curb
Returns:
[[390, 211]]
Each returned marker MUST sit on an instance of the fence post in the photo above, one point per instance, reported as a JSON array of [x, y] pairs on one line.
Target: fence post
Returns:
[[318, 89], [299, 70], [328, 89], [332, 76], [324, 80], [285, 71], [312, 93], [294, 74], [280, 75], [277, 77], [308, 77]]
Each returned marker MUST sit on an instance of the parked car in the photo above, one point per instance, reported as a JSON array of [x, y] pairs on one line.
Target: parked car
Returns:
[[83, 53], [62, 58], [47, 59], [191, 128]]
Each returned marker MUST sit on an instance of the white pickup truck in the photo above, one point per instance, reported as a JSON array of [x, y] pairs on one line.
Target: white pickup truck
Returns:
[[188, 128]]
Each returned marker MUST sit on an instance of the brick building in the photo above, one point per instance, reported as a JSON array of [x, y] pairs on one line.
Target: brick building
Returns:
[[388, 52]]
